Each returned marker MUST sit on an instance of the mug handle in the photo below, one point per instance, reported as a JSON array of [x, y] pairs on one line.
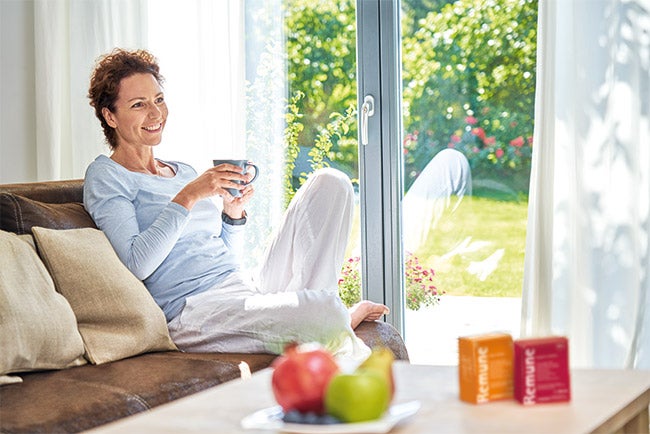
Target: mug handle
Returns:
[[257, 172]]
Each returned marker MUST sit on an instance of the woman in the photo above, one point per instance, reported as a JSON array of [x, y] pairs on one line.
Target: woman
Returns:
[[161, 222]]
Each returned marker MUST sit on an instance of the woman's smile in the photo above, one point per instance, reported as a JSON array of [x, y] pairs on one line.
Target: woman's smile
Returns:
[[154, 128]]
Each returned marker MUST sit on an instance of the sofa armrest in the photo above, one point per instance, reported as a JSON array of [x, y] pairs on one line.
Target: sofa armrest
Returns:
[[378, 333]]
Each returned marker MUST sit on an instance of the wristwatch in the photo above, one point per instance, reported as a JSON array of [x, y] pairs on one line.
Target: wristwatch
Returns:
[[233, 222]]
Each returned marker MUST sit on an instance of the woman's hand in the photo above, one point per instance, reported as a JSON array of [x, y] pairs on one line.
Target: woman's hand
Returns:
[[215, 181], [234, 206]]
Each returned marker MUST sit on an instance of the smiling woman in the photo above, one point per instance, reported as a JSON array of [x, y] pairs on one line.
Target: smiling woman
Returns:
[[160, 219]]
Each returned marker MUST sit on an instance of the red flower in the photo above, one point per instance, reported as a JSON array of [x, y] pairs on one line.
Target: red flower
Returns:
[[479, 132], [499, 153], [471, 120], [455, 138], [490, 140], [518, 142]]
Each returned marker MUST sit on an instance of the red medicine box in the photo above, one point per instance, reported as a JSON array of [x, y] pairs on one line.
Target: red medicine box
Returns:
[[541, 370]]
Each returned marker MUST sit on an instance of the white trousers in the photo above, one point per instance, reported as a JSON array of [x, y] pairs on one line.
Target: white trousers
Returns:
[[296, 295]]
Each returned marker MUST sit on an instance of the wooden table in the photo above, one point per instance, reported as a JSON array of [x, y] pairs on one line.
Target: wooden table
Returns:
[[603, 401]]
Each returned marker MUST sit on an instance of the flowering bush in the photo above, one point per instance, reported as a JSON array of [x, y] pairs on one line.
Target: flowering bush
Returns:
[[420, 290], [486, 153], [496, 148]]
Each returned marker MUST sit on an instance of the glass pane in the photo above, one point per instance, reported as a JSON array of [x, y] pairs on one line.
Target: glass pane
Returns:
[[468, 101], [301, 98]]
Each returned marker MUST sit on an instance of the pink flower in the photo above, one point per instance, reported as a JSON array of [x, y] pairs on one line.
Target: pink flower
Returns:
[[455, 138], [451, 145], [490, 140], [471, 120], [530, 141], [499, 153], [518, 142], [475, 150]]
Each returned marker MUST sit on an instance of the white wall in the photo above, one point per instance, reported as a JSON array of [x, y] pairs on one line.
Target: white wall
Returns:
[[17, 104]]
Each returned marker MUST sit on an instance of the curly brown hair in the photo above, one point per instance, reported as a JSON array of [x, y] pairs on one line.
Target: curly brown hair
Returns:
[[110, 70]]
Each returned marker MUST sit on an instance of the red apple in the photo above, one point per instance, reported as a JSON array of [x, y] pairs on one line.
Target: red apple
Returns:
[[301, 376]]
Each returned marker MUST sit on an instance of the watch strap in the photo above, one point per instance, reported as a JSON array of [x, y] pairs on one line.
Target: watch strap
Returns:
[[233, 222]]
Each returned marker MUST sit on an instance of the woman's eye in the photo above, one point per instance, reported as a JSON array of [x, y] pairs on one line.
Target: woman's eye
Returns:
[[160, 100], [137, 105]]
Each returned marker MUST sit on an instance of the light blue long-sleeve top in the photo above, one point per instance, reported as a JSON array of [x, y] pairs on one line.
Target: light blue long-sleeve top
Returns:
[[175, 252]]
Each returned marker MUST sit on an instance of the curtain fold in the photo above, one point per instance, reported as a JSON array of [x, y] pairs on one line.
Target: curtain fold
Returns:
[[69, 36], [587, 248]]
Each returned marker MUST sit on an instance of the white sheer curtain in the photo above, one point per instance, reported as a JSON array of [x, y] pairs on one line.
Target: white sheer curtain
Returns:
[[588, 251], [206, 61], [200, 46], [226, 93], [69, 36]]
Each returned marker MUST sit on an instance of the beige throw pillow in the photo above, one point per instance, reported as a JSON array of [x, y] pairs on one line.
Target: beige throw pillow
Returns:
[[116, 315], [38, 329]]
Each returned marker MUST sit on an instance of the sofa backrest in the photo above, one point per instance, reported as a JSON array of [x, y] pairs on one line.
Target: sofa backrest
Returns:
[[48, 191], [51, 204]]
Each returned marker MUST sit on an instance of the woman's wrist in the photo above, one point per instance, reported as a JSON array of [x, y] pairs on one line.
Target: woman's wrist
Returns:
[[234, 221], [184, 201]]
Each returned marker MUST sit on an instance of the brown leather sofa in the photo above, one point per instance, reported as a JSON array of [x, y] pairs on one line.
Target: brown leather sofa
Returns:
[[79, 398]]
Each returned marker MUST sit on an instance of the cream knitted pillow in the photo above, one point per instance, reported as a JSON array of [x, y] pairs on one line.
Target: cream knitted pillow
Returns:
[[38, 329], [116, 315]]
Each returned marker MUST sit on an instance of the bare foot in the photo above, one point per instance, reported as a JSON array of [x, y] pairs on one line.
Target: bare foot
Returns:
[[366, 310]]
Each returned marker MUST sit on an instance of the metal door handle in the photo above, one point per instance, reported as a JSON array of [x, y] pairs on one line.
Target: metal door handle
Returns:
[[367, 110]]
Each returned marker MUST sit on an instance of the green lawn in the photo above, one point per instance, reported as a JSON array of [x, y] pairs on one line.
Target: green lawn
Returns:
[[466, 244], [479, 248]]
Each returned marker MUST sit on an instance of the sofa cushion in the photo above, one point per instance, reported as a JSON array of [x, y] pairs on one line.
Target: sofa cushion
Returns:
[[19, 214], [116, 315], [38, 329]]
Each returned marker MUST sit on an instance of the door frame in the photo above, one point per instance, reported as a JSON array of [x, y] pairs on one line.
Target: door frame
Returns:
[[380, 161]]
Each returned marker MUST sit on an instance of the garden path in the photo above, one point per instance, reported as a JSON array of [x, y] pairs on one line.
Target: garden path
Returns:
[[432, 333]]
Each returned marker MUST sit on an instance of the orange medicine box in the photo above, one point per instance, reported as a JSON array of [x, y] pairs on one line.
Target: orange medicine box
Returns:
[[485, 367], [542, 370]]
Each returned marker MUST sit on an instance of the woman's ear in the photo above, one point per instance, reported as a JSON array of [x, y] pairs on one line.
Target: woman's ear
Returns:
[[108, 117]]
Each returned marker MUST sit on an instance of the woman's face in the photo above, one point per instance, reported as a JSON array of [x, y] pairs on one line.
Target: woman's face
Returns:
[[140, 111]]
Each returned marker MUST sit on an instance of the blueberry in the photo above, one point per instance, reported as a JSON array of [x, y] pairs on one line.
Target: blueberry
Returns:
[[293, 416], [311, 418], [328, 419]]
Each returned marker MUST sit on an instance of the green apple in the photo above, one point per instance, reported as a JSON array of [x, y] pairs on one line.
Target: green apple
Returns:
[[357, 397]]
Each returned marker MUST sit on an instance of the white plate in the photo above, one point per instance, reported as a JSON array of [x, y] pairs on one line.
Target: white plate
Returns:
[[271, 419]]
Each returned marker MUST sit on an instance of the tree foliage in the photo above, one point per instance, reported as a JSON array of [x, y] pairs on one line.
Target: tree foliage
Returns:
[[470, 59], [468, 80]]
